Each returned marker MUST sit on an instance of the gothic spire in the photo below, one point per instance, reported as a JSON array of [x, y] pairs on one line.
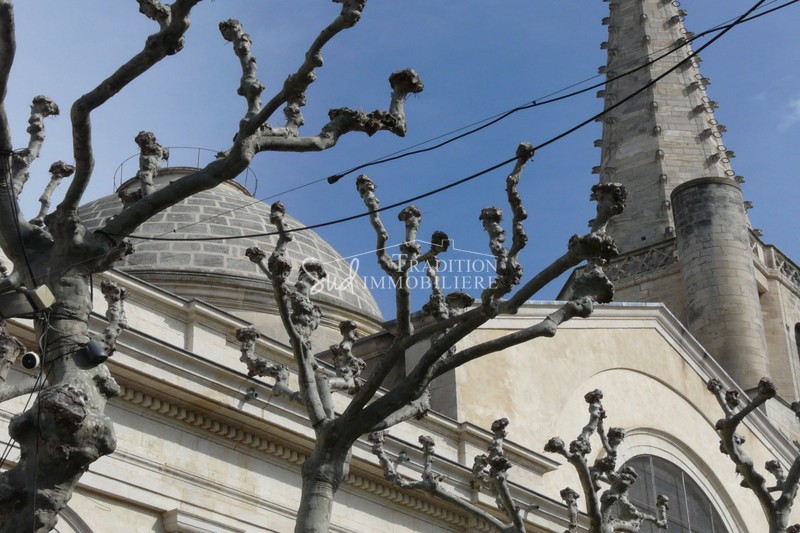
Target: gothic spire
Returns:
[[664, 136]]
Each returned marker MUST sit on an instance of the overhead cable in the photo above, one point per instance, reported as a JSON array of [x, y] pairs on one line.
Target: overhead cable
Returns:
[[461, 181]]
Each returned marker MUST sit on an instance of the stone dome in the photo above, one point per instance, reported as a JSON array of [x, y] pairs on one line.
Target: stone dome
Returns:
[[218, 271]]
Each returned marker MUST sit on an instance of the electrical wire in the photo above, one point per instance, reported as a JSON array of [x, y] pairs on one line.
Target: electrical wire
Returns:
[[330, 222], [11, 441], [745, 17], [540, 101], [489, 121], [43, 347], [37, 387], [461, 181], [6, 169], [41, 380]]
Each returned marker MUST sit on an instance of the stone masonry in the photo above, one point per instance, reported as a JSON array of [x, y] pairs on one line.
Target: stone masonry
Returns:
[[685, 235], [718, 276], [665, 135]]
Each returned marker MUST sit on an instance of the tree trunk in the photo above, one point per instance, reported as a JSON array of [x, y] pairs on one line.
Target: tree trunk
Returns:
[[66, 429], [323, 471], [778, 521]]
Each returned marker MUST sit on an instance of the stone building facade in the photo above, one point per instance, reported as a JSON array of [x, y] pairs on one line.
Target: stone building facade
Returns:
[[204, 448]]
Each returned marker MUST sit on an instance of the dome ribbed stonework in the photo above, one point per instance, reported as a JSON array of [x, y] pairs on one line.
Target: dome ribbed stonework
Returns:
[[218, 271]]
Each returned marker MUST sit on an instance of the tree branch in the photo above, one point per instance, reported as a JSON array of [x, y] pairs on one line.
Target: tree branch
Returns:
[[249, 86], [10, 349], [258, 366], [341, 121], [24, 385], [41, 108], [254, 135], [295, 86], [347, 366], [601, 505], [115, 314], [789, 485], [299, 315], [58, 171], [437, 305], [216, 172], [151, 154], [777, 511], [166, 42], [570, 498], [155, 10], [410, 251], [596, 245], [489, 474], [546, 328], [8, 47], [508, 268], [399, 272], [593, 286], [366, 189], [347, 369], [415, 409]]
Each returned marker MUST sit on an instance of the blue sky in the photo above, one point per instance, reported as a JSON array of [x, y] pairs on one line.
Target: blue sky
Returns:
[[476, 58]]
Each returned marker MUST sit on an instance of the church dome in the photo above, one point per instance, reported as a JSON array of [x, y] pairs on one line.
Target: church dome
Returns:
[[218, 271]]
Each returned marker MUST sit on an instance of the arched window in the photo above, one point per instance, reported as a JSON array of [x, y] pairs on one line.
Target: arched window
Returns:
[[690, 511], [70, 522], [797, 337]]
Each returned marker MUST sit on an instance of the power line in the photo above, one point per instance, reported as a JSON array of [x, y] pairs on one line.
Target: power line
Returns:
[[746, 17], [330, 222], [461, 181], [540, 101], [489, 121], [6, 168]]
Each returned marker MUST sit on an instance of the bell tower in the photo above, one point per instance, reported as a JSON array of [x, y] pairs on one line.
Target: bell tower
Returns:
[[685, 237]]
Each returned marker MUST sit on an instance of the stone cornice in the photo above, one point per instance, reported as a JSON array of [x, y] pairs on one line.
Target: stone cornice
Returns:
[[205, 395], [361, 476]]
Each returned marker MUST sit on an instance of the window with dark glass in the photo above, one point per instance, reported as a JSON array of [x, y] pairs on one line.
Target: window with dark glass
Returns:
[[797, 337], [690, 511]]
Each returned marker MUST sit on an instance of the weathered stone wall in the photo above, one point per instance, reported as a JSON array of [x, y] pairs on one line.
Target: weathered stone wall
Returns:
[[718, 276], [653, 376], [779, 287], [665, 135]]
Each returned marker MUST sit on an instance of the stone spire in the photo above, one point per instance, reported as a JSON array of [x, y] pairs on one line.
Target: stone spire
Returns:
[[664, 136], [685, 232]]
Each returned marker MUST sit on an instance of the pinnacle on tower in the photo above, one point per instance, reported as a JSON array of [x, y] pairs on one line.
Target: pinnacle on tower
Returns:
[[665, 135]]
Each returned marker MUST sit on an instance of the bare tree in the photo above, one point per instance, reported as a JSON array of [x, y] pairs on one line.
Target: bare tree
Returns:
[[451, 319], [609, 510], [489, 473], [66, 429], [777, 510]]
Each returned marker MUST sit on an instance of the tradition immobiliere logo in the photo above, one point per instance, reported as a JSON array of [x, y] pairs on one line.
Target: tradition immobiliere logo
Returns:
[[457, 270]]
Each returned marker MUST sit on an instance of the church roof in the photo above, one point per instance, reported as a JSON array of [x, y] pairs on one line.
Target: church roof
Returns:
[[229, 210]]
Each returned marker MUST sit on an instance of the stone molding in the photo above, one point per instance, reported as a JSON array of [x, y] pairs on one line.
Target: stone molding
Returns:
[[295, 456], [178, 521], [771, 260], [662, 257], [648, 442], [655, 259]]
